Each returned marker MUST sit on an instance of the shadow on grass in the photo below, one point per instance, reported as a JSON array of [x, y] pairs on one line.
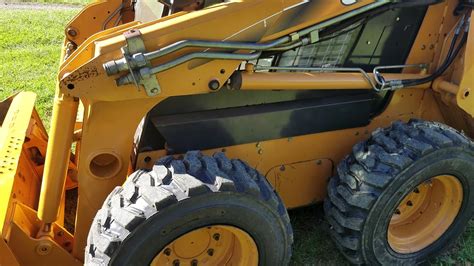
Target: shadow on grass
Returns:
[[313, 244]]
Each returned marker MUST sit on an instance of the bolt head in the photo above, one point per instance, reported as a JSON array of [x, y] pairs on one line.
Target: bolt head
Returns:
[[43, 248], [214, 85], [71, 32], [466, 93]]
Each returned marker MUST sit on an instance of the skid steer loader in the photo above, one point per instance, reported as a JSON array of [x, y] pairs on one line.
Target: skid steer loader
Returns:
[[189, 127]]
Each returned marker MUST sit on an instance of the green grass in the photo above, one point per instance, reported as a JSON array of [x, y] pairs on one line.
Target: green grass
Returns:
[[30, 43], [67, 2], [312, 241], [29, 52], [313, 245]]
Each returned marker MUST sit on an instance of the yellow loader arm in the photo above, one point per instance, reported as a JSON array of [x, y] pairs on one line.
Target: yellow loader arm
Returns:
[[118, 69]]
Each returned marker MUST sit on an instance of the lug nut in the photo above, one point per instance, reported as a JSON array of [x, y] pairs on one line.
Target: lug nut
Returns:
[[409, 203], [210, 252], [176, 263], [398, 212], [216, 237], [167, 252], [194, 263]]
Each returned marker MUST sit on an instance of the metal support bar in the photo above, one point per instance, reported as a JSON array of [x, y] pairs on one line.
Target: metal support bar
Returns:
[[57, 157], [442, 85], [325, 69], [380, 85], [243, 80]]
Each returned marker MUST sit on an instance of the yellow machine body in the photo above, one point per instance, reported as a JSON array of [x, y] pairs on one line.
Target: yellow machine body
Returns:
[[101, 118]]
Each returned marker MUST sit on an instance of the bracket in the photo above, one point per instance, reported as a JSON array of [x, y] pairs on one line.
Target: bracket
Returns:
[[314, 36], [134, 58]]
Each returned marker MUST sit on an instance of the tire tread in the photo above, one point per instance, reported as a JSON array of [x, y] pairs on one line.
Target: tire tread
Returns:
[[172, 180], [371, 167]]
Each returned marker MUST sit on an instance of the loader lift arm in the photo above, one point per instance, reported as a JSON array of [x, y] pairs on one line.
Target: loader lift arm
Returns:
[[114, 74]]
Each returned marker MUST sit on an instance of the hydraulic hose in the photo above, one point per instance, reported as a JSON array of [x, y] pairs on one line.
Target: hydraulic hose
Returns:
[[441, 70], [453, 52]]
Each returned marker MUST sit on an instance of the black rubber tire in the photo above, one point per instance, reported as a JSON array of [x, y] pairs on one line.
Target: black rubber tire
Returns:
[[372, 181], [155, 207]]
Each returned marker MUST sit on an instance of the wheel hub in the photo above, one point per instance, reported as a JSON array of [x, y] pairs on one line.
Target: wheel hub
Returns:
[[192, 244], [425, 214], [213, 245]]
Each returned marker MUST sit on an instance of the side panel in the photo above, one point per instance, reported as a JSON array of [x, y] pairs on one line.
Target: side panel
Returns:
[[305, 179], [267, 156], [202, 130]]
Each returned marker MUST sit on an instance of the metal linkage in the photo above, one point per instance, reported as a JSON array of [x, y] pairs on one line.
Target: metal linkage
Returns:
[[393, 84], [138, 63], [115, 66], [136, 45], [147, 72]]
